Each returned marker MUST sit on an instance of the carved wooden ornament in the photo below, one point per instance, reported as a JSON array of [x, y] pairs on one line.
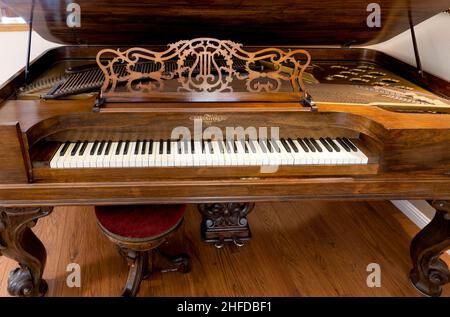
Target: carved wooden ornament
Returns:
[[202, 69]]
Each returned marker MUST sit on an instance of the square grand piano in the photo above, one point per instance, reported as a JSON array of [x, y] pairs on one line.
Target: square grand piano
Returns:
[[223, 104]]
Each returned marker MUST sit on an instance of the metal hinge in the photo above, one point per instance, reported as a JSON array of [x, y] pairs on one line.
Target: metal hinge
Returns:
[[307, 101], [99, 102]]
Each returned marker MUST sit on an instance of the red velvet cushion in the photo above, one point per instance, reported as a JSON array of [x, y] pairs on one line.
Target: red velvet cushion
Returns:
[[143, 221]]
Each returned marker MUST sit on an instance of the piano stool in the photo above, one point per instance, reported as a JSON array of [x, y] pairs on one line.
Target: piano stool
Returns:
[[138, 231]]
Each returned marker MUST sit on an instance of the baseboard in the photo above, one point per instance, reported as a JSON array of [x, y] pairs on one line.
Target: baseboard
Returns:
[[420, 217], [418, 211]]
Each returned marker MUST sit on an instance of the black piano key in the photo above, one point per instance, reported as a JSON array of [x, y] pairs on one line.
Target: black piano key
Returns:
[[234, 146], [192, 146], [94, 147], [343, 144], [186, 146], [316, 145], [75, 148], [303, 145], [326, 145], [150, 147], [169, 150], [221, 149], [275, 146], [64, 149], [285, 145], [179, 146], [211, 150], [252, 146], [101, 147], [83, 147], [350, 144], [244, 145], [161, 146], [108, 147], [293, 146], [119, 146], [309, 145], [263, 146], [227, 146], [125, 149], [203, 146], [333, 144], [137, 147], [144, 147], [269, 146]]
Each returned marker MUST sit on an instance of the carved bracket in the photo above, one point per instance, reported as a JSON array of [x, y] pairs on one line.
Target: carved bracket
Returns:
[[19, 243], [202, 69], [225, 222], [430, 273]]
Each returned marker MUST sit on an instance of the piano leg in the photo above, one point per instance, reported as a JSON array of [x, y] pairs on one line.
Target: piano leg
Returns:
[[18, 242], [430, 273], [223, 222]]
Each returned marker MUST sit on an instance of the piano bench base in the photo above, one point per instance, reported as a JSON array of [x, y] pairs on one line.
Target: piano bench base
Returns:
[[430, 273], [225, 222], [143, 263]]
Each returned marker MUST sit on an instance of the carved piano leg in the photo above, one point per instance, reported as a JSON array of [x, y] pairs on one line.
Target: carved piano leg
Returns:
[[430, 273], [223, 222], [18, 242]]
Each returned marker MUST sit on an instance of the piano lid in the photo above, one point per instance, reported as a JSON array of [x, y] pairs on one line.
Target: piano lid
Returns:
[[251, 22]]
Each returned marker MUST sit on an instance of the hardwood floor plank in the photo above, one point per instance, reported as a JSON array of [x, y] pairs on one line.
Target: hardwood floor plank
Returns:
[[298, 249]]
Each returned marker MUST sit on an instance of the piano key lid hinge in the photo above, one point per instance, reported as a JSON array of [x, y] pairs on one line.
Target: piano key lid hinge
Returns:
[[99, 102], [308, 102]]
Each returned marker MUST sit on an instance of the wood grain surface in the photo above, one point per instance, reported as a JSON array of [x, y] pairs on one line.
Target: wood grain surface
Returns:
[[298, 249]]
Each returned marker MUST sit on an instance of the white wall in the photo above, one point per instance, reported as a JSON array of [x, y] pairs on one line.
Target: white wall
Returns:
[[433, 36], [13, 51], [433, 41]]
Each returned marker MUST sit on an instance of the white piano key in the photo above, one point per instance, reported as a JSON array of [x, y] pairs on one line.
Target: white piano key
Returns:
[[152, 147], [255, 152], [286, 158], [128, 154], [65, 160], [140, 159], [157, 154], [240, 155], [56, 157], [172, 156], [188, 156], [219, 156], [99, 153], [264, 152], [215, 153], [116, 158], [82, 163], [198, 154]]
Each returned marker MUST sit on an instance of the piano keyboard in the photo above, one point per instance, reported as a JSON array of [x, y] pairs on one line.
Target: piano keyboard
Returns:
[[187, 153]]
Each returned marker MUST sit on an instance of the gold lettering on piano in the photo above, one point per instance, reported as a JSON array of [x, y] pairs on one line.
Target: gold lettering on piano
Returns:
[[208, 119]]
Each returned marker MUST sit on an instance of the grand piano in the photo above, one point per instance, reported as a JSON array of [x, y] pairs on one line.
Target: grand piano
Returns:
[[223, 104]]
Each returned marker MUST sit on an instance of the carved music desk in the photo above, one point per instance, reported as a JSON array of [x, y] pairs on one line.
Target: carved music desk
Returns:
[[225, 105]]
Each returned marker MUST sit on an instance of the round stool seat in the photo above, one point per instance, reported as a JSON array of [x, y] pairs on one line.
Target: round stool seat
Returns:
[[140, 221]]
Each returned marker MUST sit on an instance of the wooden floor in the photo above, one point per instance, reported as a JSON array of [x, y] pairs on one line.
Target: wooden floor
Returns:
[[298, 249]]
